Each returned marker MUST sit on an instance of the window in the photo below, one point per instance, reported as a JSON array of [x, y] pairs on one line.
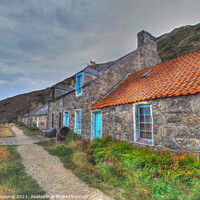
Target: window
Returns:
[[79, 83], [145, 123], [78, 121]]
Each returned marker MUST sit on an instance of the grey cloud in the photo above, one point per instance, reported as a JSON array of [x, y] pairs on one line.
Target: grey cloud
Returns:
[[45, 41]]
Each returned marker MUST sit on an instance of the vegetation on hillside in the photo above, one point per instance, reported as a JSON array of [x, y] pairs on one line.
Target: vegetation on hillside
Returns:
[[126, 172], [179, 42], [11, 107]]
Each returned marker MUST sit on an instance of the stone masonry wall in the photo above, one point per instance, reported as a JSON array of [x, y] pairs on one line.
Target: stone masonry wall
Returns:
[[176, 122], [118, 122]]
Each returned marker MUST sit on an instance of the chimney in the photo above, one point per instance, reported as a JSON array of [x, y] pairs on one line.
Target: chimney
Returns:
[[146, 39], [92, 62]]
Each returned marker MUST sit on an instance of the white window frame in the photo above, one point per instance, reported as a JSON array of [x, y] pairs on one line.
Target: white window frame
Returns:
[[79, 132], [92, 123], [136, 133]]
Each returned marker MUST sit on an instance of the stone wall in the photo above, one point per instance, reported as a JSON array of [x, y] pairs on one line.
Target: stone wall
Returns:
[[176, 122], [118, 122]]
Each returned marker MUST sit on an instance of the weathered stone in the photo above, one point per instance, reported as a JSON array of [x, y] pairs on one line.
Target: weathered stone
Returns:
[[118, 119], [162, 131], [172, 118], [192, 145], [191, 120], [197, 131], [170, 143], [182, 131], [195, 104], [124, 137], [158, 118], [162, 105], [157, 140]]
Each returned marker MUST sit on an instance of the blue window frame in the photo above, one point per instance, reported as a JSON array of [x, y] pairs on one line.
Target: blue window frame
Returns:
[[145, 122], [79, 83], [78, 120]]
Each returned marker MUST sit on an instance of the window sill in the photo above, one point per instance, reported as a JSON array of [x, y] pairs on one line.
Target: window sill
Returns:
[[145, 142]]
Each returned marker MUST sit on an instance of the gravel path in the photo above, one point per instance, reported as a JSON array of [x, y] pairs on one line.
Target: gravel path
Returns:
[[57, 181], [7, 141]]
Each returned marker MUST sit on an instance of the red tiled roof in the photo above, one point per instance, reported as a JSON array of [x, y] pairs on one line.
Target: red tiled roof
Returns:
[[176, 77]]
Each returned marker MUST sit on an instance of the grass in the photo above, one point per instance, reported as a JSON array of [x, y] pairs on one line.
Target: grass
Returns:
[[125, 172], [29, 131], [13, 178], [5, 131]]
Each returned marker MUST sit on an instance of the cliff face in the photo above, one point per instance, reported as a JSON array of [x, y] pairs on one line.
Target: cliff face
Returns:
[[178, 42]]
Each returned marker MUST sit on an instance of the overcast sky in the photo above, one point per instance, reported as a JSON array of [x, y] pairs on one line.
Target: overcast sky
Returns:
[[45, 41]]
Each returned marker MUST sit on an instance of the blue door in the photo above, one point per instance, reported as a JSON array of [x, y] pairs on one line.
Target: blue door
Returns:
[[97, 125], [67, 119]]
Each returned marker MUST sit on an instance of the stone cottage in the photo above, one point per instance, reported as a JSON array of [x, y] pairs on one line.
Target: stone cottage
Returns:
[[73, 107], [40, 117], [158, 106]]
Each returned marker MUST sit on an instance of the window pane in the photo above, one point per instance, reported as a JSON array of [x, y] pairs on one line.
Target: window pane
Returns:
[[142, 134], [148, 118], [148, 127], [141, 118], [147, 110], [141, 110], [142, 126], [149, 135]]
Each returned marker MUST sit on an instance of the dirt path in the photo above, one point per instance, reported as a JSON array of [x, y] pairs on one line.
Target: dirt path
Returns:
[[50, 173]]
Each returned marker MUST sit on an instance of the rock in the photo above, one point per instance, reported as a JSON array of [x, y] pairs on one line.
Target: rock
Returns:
[[170, 143], [162, 105], [195, 104], [182, 131], [172, 118], [158, 118], [124, 137], [192, 145], [191, 120], [162, 131]]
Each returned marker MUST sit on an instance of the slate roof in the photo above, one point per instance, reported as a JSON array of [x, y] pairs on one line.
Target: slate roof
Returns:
[[180, 76], [32, 112], [42, 111]]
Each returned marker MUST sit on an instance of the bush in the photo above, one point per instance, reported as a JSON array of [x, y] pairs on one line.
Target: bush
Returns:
[[163, 165], [72, 137]]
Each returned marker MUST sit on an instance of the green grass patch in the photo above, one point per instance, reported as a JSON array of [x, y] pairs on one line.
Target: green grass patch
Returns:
[[29, 131], [13, 178]]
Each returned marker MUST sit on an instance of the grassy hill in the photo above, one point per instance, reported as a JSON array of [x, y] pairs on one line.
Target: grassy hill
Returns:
[[178, 42], [11, 107]]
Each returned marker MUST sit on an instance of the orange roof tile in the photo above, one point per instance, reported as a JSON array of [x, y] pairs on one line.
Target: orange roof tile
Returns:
[[176, 77]]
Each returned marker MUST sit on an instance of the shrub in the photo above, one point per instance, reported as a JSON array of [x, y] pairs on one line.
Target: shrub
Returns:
[[72, 137], [153, 164]]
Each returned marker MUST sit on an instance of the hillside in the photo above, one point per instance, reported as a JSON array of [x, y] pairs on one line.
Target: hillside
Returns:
[[178, 42], [11, 107]]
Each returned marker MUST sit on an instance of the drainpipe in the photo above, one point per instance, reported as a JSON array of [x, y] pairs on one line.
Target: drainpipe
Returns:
[[62, 112]]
